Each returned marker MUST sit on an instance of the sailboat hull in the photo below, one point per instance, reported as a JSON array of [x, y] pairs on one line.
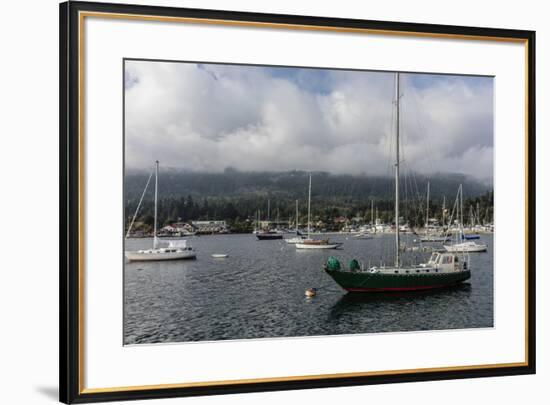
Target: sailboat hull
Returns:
[[302, 245], [467, 248], [377, 282], [269, 236], [149, 257]]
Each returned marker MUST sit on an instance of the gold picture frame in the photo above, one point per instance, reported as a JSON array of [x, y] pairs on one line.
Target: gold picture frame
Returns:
[[72, 142]]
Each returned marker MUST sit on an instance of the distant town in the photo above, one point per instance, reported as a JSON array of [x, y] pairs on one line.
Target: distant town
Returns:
[[477, 220]]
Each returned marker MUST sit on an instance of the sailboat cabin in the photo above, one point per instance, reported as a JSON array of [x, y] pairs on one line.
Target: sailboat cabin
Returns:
[[447, 262]]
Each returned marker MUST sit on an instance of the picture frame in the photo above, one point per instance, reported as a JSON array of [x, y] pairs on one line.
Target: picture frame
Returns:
[[74, 269]]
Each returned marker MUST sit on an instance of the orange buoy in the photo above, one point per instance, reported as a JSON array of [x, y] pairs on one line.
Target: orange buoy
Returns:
[[310, 292]]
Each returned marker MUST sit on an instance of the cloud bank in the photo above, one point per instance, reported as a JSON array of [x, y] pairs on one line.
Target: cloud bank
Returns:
[[211, 117]]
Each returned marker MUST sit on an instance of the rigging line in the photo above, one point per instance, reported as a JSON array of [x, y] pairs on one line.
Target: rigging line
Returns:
[[422, 129], [402, 160], [455, 207], [375, 185], [411, 207], [386, 143], [414, 191], [139, 205]]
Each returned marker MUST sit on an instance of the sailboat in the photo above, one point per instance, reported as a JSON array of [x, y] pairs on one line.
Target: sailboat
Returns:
[[441, 270], [268, 234], [365, 231], [310, 243], [430, 235], [468, 245], [256, 223], [175, 249], [299, 237], [474, 226]]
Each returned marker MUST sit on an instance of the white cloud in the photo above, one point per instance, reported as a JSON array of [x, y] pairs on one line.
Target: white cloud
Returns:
[[211, 117]]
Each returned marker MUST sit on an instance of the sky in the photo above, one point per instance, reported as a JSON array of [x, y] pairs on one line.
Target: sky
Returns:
[[209, 117]]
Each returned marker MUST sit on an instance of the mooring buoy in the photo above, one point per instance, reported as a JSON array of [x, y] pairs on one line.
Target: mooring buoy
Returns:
[[310, 292]]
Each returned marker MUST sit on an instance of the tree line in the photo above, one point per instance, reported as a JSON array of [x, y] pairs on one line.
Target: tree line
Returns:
[[240, 212]]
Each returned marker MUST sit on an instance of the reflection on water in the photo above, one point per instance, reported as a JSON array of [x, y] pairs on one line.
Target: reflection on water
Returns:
[[258, 291], [402, 311]]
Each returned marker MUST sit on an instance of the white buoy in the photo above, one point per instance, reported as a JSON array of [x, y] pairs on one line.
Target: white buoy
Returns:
[[219, 255]]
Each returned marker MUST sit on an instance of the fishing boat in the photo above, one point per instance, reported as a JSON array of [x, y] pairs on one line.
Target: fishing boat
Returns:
[[441, 270], [310, 243], [175, 249]]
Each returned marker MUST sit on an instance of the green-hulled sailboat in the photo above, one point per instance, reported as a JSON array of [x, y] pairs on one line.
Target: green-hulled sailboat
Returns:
[[442, 270]]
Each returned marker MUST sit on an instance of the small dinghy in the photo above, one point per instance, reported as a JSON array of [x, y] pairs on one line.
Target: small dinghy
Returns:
[[219, 255]]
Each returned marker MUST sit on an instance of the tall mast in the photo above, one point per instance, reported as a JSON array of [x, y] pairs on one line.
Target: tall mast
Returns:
[[397, 261], [461, 214], [296, 216], [309, 209], [156, 198], [428, 206], [372, 212], [268, 210], [443, 212]]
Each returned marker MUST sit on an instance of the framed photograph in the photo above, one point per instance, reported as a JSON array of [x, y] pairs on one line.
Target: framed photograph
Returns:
[[255, 202]]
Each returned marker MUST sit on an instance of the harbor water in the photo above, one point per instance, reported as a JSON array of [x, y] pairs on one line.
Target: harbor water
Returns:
[[258, 292]]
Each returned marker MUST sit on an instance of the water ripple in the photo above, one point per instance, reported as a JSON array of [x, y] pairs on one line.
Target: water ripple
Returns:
[[259, 292]]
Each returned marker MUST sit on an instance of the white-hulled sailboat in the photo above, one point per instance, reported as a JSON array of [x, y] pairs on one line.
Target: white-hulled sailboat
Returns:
[[430, 235], [175, 249], [299, 238], [465, 246], [310, 243]]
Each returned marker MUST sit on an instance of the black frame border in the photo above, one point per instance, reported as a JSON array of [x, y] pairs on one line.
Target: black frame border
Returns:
[[69, 366]]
